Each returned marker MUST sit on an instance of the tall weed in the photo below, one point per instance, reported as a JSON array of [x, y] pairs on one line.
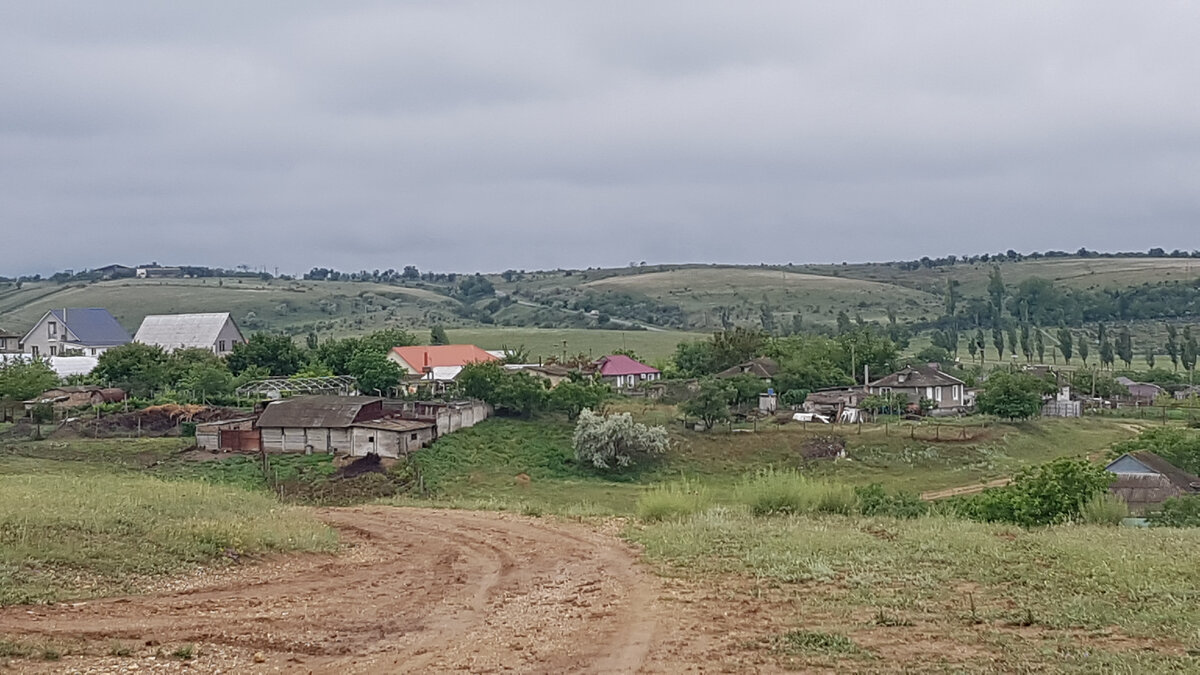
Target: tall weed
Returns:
[[771, 491], [1103, 509], [671, 501]]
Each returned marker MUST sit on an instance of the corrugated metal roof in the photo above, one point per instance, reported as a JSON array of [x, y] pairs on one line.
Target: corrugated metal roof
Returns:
[[394, 425], [334, 412], [175, 331], [92, 326]]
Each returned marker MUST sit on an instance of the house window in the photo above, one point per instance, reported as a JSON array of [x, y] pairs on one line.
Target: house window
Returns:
[[53, 350], [413, 437], [35, 351], [221, 346], [370, 439], [937, 394], [52, 328], [93, 351]]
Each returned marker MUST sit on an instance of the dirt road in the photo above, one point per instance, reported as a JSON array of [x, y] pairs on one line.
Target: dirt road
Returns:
[[418, 591]]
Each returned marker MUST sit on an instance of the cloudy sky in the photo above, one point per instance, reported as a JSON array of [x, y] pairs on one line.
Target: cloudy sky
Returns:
[[490, 135]]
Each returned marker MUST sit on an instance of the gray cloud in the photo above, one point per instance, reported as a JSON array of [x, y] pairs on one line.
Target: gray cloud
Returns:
[[482, 135]]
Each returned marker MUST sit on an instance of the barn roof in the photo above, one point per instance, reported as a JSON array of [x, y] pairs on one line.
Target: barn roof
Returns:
[[336, 412], [392, 424], [1157, 465], [174, 331]]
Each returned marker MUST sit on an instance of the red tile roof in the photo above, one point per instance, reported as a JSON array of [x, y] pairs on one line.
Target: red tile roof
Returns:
[[619, 364], [420, 358]]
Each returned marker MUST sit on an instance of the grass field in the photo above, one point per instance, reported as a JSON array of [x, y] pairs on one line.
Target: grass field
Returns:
[[485, 463], [341, 307], [1073, 272], [85, 519], [545, 342], [818, 299], [852, 593]]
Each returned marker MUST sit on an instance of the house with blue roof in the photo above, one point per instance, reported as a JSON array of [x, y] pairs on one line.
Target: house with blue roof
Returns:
[[90, 330]]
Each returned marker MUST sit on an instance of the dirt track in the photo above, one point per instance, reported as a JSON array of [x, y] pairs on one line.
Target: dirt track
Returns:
[[419, 590]]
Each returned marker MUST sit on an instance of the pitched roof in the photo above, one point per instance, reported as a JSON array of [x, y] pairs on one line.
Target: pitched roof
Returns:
[[761, 367], [7, 333], [1178, 477], [91, 326], [172, 331], [420, 358], [917, 376], [619, 364], [315, 411]]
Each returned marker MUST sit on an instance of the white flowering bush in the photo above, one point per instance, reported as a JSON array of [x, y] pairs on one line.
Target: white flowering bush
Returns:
[[616, 441]]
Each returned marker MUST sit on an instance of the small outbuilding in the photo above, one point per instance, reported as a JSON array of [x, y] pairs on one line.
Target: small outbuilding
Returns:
[[355, 425], [1145, 480]]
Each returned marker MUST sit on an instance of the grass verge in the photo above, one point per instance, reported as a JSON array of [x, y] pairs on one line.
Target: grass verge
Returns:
[[73, 536]]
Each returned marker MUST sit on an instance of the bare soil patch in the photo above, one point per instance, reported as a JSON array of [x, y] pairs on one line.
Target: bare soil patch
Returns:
[[418, 590]]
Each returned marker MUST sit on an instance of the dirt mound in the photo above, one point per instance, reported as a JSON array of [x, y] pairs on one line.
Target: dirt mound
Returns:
[[369, 463], [825, 446]]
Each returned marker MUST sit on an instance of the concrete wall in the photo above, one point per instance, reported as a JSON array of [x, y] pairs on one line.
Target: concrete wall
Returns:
[[387, 443], [301, 439]]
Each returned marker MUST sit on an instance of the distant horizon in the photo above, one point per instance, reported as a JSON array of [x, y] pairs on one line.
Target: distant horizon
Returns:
[[1167, 253]]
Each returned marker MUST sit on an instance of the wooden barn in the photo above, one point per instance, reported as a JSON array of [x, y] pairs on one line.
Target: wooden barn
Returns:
[[1145, 480], [355, 425]]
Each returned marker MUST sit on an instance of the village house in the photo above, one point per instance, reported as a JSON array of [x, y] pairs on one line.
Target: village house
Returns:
[[10, 342], [355, 425], [621, 372], [1145, 480], [763, 368], [1140, 393], [923, 382], [77, 396], [1188, 392], [554, 374], [214, 332], [91, 331], [438, 364]]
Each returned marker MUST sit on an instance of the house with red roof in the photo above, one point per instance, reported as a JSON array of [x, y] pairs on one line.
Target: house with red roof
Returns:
[[622, 372], [437, 363]]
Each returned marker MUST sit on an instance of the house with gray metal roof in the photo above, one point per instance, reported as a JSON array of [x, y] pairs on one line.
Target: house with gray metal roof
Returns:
[[922, 382], [90, 330], [215, 332]]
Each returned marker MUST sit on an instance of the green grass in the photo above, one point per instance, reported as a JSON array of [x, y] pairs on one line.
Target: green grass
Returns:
[[340, 307], [71, 536], [786, 491], [1015, 596], [485, 463], [669, 501]]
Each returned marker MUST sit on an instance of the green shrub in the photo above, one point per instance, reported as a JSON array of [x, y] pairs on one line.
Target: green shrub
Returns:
[[671, 501], [1104, 508], [873, 500], [1177, 512], [1043, 495], [772, 491]]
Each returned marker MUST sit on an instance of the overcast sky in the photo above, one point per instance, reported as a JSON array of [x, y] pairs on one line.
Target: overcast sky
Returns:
[[489, 135]]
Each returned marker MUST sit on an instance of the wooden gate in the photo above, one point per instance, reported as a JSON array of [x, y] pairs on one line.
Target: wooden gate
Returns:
[[240, 441]]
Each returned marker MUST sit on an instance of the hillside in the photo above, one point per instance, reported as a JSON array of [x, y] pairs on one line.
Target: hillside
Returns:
[[540, 309]]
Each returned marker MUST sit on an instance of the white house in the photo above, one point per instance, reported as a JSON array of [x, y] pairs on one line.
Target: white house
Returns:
[[214, 332], [90, 330]]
